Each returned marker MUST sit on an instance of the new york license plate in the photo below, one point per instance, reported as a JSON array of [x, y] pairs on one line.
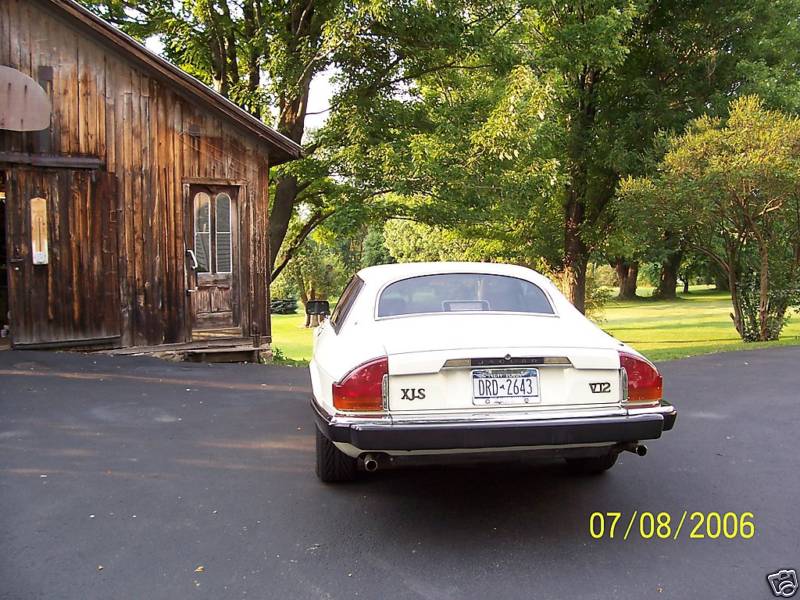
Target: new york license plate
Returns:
[[505, 386]]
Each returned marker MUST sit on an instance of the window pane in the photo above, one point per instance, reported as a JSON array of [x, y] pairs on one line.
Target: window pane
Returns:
[[202, 214], [462, 292], [202, 229], [202, 251], [223, 252], [223, 213]]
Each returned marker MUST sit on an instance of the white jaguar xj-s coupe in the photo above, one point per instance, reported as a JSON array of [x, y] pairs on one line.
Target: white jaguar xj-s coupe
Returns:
[[434, 361]]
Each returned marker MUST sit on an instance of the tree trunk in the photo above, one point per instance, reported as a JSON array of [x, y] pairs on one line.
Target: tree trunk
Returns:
[[668, 280], [575, 254], [730, 271], [721, 282], [763, 294], [304, 298], [627, 274], [280, 215], [579, 149], [686, 284], [292, 125], [252, 19]]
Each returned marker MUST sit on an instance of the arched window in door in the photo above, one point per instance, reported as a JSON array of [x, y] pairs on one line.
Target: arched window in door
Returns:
[[202, 232], [223, 254], [212, 233]]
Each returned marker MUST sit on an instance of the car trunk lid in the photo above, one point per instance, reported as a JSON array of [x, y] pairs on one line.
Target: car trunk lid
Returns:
[[434, 363]]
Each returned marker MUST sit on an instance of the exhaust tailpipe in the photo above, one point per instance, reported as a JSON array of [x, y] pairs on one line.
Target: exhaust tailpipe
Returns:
[[370, 463], [633, 447]]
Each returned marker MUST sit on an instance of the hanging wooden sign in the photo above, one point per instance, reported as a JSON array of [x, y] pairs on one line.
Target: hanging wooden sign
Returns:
[[39, 231], [24, 105]]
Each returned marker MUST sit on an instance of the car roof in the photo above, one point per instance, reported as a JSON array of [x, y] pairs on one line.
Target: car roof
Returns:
[[383, 274]]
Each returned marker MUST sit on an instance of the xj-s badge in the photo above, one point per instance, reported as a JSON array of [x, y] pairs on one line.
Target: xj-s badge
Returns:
[[600, 387], [413, 393]]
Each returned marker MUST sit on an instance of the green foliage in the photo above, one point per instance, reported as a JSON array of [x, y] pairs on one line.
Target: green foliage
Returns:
[[507, 125], [604, 275], [731, 184], [649, 273], [283, 306], [749, 298], [375, 250], [597, 296], [408, 241], [498, 148], [314, 272]]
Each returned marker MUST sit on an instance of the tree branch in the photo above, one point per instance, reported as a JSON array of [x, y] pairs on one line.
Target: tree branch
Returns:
[[301, 236]]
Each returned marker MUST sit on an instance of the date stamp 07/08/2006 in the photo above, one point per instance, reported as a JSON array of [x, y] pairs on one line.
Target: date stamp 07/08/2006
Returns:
[[664, 526], [691, 525]]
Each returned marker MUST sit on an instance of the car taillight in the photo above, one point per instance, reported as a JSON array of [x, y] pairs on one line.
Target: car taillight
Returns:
[[362, 388], [644, 383]]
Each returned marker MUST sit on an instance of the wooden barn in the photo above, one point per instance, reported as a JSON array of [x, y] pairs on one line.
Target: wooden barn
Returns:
[[134, 198]]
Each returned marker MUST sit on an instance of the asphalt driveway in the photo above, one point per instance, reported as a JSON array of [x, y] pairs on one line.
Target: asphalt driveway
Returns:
[[130, 477]]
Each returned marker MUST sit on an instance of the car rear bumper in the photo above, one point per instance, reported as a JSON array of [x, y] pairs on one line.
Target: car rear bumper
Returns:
[[642, 424]]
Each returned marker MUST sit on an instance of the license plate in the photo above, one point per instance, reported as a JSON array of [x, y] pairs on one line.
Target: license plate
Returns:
[[505, 386]]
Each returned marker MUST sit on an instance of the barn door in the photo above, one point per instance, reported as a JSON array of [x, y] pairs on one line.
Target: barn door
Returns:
[[61, 233], [213, 256]]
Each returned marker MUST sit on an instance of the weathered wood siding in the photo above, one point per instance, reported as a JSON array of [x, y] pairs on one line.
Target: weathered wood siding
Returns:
[[78, 289], [152, 141]]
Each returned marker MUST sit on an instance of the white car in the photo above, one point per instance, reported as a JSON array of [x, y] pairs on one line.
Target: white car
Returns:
[[435, 361]]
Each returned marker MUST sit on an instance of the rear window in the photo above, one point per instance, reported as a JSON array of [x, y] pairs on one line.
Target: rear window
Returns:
[[462, 292]]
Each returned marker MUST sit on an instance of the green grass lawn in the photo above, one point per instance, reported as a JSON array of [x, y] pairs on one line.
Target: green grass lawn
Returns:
[[290, 337], [695, 323]]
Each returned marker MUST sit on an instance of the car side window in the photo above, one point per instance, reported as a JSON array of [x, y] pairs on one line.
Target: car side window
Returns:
[[346, 302]]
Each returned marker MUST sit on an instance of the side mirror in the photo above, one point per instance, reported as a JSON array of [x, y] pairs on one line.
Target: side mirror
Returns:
[[318, 307]]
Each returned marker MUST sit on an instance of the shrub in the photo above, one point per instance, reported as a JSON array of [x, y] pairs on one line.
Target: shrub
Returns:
[[597, 295], [783, 294], [283, 306]]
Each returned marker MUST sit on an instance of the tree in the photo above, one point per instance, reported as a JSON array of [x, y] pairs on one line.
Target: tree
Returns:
[[696, 56], [408, 241], [509, 121], [375, 251], [528, 143], [315, 275], [264, 55], [733, 186], [627, 274]]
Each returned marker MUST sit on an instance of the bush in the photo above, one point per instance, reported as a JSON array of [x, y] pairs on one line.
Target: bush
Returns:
[[283, 306], [597, 295], [650, 273], [604, 275], [782, 296]]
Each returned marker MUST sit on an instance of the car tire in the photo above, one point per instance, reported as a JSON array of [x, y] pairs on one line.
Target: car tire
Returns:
[[333, 465], [593, 465]]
